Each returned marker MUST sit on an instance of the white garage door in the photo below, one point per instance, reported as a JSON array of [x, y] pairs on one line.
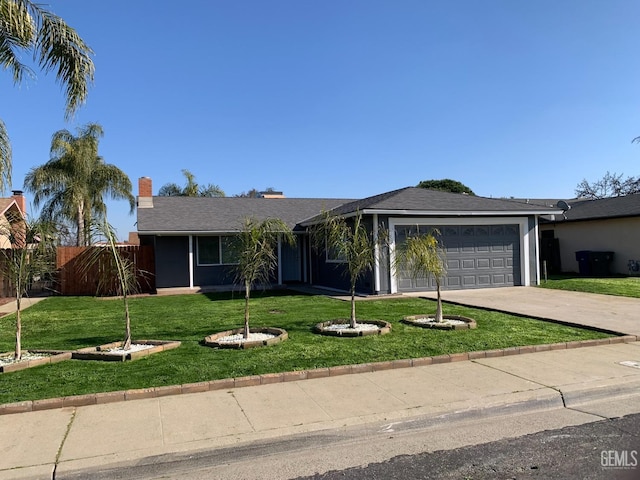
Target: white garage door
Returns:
[[477, 256]]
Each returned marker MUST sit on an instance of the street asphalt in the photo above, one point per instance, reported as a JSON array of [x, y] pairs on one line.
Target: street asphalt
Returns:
[[82, 441]]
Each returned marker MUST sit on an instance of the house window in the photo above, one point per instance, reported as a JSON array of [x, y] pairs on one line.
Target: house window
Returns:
[[334, 255], [217, 250], [208, 250], [230, 249]]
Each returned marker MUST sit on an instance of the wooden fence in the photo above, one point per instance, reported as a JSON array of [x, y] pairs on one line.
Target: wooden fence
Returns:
[[75, 278]]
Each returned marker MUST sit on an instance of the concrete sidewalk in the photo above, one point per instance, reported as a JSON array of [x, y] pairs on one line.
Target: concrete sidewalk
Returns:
[[79, 441]]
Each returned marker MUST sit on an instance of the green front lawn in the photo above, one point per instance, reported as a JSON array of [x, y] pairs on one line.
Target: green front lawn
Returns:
[[622, 286], [73, 322]]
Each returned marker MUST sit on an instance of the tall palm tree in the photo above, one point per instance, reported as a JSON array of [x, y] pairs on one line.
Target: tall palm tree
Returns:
[[26, 27], [73, 183], [191, 189]]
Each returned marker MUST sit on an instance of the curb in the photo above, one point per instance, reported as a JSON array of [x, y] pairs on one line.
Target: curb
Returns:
[[606, 390], [269, 378]]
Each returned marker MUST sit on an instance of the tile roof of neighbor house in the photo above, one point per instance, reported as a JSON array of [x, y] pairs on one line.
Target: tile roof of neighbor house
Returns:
[[193, 214], [225, 214], [614, 207]]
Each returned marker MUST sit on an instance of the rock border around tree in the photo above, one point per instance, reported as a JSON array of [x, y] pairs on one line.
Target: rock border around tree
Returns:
[[214, 340], [422, 322], [322, 328], [51, 356], [101, 352]]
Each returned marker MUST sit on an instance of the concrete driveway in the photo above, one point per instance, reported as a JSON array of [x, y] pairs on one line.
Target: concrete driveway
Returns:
[[618, 314]]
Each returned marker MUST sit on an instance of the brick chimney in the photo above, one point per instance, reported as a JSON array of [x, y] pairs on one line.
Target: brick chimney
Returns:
[[20, 200], [145, 195]]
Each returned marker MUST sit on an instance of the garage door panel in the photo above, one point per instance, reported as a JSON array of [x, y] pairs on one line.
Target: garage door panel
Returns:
[[483, 247], [453, 264], [483, 263], [499, 279], [453, 282], [476, 257], [468, 263], [469, 280], [468, 247], [452, 250]]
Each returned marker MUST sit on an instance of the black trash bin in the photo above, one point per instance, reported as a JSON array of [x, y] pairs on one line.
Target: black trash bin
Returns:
[[601, 263], [584, 262]]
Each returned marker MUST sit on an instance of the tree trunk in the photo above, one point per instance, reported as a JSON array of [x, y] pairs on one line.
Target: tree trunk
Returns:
[[353, 322], [439, 317], [247, 293], [80, 239], [126, 345], [18, 351]]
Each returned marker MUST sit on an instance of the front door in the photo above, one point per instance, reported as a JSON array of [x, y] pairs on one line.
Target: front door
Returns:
[[291, 264]]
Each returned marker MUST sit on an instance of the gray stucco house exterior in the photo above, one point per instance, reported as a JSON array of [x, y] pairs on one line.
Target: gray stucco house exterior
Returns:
[[488, 242], [601, 225]]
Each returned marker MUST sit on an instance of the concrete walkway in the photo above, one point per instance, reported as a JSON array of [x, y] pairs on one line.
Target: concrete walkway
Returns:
[[26, 302], [95, 441]]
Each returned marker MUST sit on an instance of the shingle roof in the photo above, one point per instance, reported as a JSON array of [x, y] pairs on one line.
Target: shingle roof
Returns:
[[614, 207], [425, 201], [195, 214], [201, 214]]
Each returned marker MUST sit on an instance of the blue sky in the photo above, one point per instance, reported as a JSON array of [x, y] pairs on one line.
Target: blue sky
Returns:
[[348, 98]]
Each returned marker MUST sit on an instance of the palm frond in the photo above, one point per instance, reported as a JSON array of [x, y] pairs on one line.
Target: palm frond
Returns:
[[5, 158], [17, 32], [58, 47]]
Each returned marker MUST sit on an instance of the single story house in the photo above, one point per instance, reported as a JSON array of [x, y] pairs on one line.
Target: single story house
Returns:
[[602, 225], [488, 242]]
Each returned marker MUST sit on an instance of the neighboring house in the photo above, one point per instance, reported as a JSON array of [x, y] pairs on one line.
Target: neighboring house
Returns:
[[603, 225], [488, 242], [12, 212]]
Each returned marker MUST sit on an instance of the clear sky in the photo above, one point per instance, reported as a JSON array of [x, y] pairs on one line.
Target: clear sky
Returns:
[[348, 98]]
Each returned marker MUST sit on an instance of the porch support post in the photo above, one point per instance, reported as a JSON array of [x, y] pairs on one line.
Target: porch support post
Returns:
[[376, 263], [190, 261], [280, 259], [310, 260], [537, 250]]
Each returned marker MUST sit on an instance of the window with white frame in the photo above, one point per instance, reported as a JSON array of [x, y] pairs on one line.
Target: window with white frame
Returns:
[[217, 250]]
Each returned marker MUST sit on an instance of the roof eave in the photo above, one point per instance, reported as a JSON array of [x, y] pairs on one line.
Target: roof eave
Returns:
[[463, 213], [190, 232]]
